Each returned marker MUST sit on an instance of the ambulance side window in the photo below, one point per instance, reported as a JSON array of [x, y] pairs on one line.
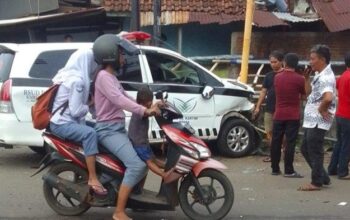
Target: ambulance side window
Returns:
[[48, 63], [6, 60], [131, 71], [166, 69]]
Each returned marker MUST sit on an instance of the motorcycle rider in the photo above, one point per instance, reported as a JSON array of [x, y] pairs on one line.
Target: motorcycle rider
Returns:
[[69, 123], [110, 101]]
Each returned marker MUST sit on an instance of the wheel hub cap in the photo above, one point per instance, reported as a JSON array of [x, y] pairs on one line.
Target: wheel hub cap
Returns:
[[238, 139]]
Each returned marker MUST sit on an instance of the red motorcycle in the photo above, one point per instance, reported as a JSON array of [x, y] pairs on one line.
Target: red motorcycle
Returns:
[[204, 192]]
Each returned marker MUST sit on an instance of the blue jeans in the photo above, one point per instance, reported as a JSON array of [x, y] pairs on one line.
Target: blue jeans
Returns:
[[341, 152], [113, 136], [78, 133]]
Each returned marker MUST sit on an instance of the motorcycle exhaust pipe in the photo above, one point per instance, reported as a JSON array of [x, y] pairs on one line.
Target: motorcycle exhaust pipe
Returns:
[[79, 192]]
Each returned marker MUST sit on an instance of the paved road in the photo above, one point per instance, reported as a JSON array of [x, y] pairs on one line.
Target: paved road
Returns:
[[258, 195]]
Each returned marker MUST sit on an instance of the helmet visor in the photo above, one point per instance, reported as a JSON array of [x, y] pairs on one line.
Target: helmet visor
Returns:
[[128, 47]]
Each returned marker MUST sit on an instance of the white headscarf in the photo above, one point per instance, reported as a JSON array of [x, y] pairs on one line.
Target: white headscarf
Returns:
[[80, 64]]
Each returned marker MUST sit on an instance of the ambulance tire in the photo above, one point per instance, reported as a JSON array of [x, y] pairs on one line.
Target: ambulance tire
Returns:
[[236, 138]]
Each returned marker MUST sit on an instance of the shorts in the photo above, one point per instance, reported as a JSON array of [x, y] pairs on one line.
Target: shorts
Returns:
[[144, 152], [268, 121]]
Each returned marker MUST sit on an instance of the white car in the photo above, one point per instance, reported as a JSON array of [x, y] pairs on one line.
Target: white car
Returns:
[[218, 109]]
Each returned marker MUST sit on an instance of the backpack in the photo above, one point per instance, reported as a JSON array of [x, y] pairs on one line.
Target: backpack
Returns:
[[42, 109]]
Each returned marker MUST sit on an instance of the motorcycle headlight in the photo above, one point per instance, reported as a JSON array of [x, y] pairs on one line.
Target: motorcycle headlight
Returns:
[[192, 153], [203, 152], [195, 150]]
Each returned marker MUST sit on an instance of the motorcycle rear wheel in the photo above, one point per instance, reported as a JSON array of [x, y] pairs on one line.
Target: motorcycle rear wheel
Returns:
[[199, 209], [60, 203]]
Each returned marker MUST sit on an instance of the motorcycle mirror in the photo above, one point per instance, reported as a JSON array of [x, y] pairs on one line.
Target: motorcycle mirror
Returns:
[[161, 95], [165, 95]]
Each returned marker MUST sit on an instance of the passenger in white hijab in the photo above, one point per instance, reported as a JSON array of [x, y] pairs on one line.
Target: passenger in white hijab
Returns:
[[80, 64], [74, 79]]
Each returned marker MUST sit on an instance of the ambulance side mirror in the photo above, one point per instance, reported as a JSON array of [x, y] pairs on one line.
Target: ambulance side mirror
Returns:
[[208, 92]]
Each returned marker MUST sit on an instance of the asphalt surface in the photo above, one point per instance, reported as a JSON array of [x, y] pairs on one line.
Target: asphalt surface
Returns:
[[258, 195]]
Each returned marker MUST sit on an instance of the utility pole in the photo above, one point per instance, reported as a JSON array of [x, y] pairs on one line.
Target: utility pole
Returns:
[[135, 15], [249, 13], [156, 21]]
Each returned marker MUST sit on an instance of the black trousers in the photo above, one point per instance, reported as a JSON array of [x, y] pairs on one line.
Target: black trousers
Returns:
[[289, 128], [312, 150]]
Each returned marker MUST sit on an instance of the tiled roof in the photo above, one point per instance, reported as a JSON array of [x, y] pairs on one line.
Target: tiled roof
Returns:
[[231, 7], [202, 11], [334, 13]]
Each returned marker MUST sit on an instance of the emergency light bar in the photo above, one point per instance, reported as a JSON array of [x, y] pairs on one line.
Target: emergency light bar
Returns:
[[136, 36]]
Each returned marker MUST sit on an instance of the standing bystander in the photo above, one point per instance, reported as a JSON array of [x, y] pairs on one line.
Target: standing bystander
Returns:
[[289, 89], [268, 93], [341, 152], [318, 115]]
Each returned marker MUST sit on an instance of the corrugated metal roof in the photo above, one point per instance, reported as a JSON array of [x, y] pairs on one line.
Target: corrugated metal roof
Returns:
[[294, 19], [341, 6], [335, 14], [266, 19]]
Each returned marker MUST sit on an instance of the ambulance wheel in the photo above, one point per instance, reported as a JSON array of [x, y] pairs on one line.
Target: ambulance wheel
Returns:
[[236, 138]]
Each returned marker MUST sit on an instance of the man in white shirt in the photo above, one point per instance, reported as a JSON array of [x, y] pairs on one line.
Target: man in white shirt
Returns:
[[318, 114]]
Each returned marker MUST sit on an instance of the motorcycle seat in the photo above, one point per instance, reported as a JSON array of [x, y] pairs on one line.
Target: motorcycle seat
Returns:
[[49, 134], [101, 148]]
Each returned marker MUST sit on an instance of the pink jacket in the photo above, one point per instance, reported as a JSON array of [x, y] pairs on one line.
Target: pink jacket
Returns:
[[111, 99]]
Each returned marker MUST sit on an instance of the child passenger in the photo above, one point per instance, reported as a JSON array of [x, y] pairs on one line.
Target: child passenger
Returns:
[[138, 133]]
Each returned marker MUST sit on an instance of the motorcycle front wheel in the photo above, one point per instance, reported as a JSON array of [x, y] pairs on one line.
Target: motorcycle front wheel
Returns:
[[218, 191], [60, 203]]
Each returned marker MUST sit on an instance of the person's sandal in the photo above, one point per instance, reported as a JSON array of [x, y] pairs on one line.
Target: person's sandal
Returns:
[[98, 190], [276, 173], [347, 177], [293, 175], [267, 159], [309, 187], [116, 218]]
